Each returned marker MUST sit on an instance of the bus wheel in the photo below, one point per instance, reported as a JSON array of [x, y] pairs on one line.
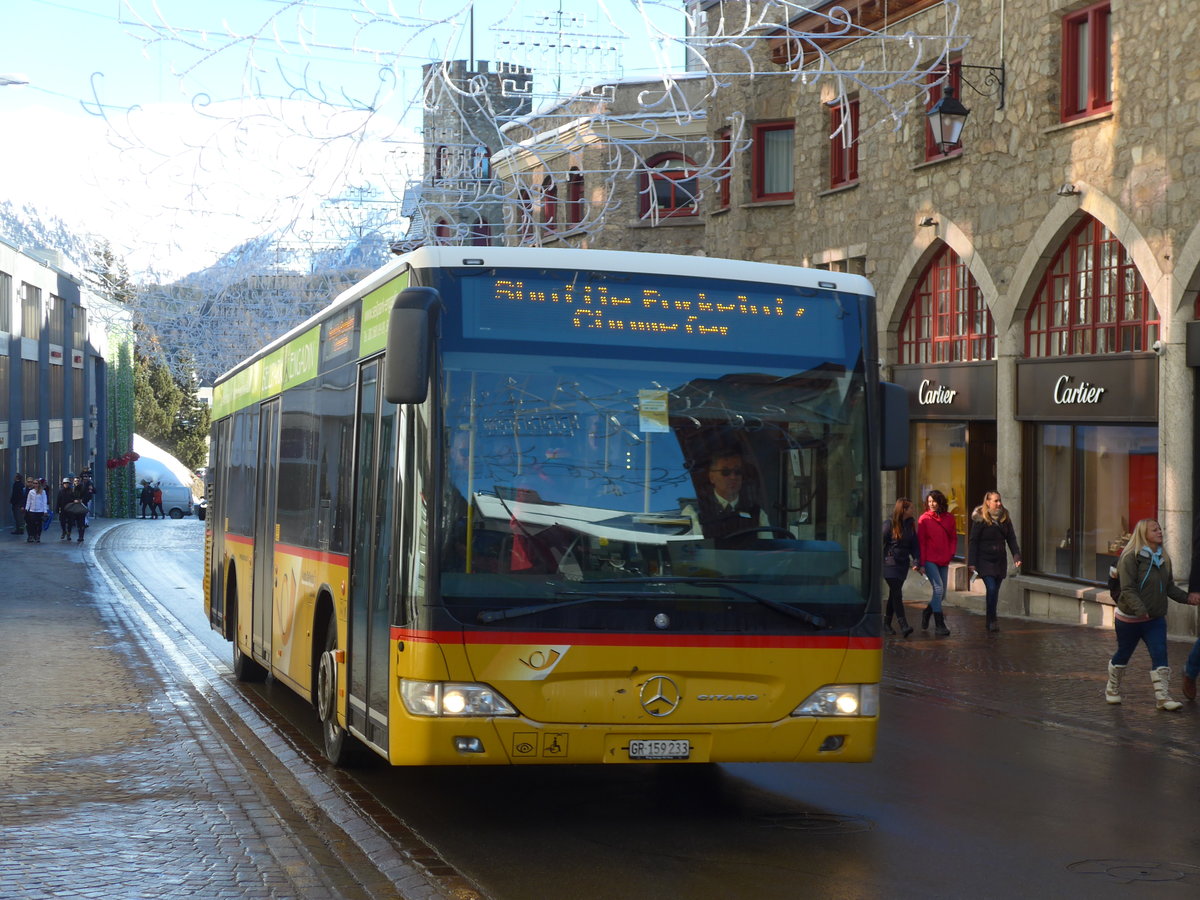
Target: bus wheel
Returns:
[[341, 747], [245, 668]]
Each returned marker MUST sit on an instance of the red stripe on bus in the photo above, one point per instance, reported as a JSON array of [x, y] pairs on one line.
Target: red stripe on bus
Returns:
[[316, 555], [789, 641]]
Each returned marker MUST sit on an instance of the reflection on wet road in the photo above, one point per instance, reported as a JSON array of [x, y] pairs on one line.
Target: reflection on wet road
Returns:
[[991, 780]]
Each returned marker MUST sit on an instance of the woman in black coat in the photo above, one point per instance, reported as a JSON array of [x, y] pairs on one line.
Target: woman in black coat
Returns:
[[991, 530], [900, 552]]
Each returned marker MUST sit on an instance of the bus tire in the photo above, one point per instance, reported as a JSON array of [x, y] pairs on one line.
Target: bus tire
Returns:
[[341, 748], [245, 669]]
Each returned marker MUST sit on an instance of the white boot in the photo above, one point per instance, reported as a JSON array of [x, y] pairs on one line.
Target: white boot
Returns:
[[1112, 690], [1161, 677]]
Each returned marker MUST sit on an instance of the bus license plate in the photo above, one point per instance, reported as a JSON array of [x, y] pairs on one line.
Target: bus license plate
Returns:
[[660, 749]]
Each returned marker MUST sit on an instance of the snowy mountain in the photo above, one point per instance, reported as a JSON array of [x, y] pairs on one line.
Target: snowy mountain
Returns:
[[29, 228]]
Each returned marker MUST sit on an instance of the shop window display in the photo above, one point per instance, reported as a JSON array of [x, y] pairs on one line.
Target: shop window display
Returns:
[[1092, 485]]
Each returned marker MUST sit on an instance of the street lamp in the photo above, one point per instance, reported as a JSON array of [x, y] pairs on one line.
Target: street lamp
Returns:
[[946, 120]]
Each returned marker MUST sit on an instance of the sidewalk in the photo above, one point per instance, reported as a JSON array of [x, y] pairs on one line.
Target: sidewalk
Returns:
[[122, 780], [1047, 673]]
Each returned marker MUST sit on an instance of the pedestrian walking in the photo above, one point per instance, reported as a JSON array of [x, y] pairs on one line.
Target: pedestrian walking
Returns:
[[146, 498], [937, 535], [158, 507], [1191, 668], [1144, 569], [37, 506], [901, 550], [16, 500], [991, 530], [66, 496]]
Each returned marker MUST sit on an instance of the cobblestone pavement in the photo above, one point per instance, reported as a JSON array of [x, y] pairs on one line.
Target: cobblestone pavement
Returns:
[[126, 776], [1046, 673]]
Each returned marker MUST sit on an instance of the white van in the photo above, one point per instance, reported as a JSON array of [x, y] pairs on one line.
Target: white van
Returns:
[[164, 471]]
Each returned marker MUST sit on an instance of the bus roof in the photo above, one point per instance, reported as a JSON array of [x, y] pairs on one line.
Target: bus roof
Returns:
[[456, 257]]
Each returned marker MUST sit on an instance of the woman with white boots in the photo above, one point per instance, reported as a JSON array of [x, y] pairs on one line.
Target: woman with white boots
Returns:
[[1145, 573]]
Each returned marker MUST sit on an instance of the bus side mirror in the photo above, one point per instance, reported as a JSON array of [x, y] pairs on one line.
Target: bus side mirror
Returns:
[[893, 434], [412, 330]]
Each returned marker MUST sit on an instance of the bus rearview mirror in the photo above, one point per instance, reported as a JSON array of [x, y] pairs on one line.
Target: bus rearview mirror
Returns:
[[893, 436], [412, 329]]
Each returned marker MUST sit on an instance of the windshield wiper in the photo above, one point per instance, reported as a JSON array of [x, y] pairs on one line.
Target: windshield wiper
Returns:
[[495, 615]]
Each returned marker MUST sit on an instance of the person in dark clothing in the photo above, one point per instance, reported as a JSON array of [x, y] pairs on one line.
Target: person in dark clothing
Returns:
[[16, 499], [901, 551], [146, 498], [724, 507], [1191, 668], [66, 496], [991, 530]]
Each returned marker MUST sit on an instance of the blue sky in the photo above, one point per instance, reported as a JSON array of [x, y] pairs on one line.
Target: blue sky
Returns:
[[182, 166]]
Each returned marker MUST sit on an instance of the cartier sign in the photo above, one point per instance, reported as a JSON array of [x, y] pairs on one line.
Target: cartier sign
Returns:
[[1116, 388], [958, 391]]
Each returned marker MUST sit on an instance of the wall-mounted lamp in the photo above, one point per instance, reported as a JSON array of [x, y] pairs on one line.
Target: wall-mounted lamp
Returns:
[[1067, 190], [927, 222], [948, 115]]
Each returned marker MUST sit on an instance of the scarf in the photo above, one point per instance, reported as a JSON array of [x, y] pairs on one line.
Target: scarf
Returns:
[[1156, 561]]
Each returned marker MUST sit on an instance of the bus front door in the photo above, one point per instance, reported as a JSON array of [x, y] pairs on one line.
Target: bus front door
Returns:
[[374, 555], [264, 532]]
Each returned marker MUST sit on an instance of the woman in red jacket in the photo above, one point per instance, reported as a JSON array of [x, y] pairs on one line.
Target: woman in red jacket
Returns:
[[937, 534]]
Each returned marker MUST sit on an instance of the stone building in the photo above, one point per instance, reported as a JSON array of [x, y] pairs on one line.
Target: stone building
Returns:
[[458, 200], [624, 166], [1037, 282]]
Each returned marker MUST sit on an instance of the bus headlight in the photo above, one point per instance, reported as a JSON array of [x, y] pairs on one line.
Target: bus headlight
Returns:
[[841, 700], [452, 698]]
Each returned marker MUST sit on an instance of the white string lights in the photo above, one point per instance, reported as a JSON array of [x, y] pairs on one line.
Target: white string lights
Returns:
[[390, 124]]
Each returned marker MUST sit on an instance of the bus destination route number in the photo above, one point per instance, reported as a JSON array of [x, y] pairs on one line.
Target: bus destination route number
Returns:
[[682, 314]]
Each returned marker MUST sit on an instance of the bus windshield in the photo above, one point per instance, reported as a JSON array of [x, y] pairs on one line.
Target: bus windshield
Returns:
[[589, 493]]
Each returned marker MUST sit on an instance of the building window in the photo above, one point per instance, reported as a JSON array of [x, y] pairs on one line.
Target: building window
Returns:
[[4, 366], [724, 166], [574, 198], [5, 302], [1092, 484], [31, 311], [79, 328], [843, 143], [852, 265], [441, 163], [481, 234], [57, 314], [549, 211], [77, 393], [1087, 75], [937, 83], [58, 391], [30, 392], [668, 187], [1091, 300], [442, 232], [524, 217], [946, 319], [773, 170]]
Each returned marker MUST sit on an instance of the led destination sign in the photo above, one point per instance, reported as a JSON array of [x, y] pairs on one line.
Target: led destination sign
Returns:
[[658, 312]]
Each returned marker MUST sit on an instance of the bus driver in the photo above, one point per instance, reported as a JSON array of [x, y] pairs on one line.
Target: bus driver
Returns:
[[725, 507]]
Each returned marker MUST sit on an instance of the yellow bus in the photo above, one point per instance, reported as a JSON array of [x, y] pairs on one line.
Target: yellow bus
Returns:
[[527, 506]]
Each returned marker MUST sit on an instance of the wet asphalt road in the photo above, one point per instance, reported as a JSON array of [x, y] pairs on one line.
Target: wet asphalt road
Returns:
[[1000, 772]]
